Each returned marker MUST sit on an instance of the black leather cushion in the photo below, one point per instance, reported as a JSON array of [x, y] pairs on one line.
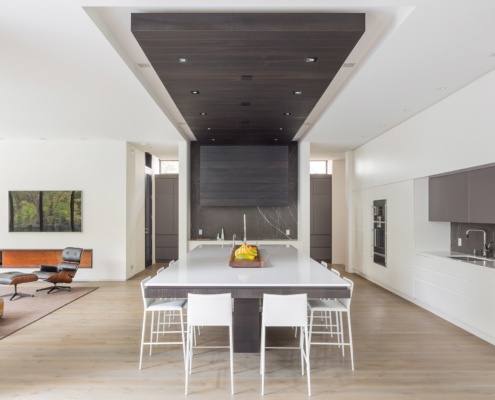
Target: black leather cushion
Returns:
[[72, 254], [64, 266], [48, 268]]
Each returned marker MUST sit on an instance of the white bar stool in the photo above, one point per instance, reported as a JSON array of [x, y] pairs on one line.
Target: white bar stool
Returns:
[[208, 310], [160, 305], [290, 311], [334, 305]]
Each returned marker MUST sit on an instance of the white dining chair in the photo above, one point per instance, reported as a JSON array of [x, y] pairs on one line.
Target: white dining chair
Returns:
[[286, 311], [339, 306], [208, 310], [160, 306]]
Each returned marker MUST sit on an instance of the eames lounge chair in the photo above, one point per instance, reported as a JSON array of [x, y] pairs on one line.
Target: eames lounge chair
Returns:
[[64, 272]]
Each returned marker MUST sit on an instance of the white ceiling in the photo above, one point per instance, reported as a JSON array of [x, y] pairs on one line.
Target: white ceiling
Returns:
[[69, 69]]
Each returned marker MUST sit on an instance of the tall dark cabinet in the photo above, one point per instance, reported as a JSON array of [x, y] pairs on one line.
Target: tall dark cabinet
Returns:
[[166, 217], [321, 217]]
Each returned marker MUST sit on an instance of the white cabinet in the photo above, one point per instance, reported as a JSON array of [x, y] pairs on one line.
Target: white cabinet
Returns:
[[460, 292]]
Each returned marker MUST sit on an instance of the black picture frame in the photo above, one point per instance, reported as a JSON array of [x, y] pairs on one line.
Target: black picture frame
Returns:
[[45, 211]]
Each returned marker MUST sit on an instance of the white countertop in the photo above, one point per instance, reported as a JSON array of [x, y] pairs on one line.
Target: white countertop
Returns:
[[459, 257], [284, 265]]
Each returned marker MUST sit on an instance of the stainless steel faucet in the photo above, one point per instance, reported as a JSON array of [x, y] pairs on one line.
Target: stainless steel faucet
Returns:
[[485, 250]]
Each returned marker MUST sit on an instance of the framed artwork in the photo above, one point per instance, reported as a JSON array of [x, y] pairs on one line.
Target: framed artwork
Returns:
[[45, 211]]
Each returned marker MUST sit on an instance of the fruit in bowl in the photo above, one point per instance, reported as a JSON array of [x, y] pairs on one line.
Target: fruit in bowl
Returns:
[[246, 252]]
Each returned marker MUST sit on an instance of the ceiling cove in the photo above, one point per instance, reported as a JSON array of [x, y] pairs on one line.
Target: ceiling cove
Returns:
[[246, 78]]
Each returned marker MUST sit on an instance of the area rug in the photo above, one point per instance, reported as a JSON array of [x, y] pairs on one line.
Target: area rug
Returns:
[[23, 311]]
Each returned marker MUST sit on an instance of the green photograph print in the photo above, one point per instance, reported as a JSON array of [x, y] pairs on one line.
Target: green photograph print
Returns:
[[45, 211]]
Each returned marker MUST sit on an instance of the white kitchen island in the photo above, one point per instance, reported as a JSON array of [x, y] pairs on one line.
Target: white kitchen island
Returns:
[[286, 270]]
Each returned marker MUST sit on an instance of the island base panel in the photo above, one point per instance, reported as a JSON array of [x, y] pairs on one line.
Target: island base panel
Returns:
[[246, 325]]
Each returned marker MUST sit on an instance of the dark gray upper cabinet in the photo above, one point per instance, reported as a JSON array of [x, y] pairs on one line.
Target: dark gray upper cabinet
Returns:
[[448, 198], [467, 196], [437, 198], [457, 197], [482, 195]]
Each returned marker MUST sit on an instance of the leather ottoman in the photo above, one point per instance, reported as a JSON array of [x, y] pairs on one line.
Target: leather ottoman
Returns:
[[15, 278]]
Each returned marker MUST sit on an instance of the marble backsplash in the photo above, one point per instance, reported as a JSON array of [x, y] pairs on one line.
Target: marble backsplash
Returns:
[[262, 223], [475, 240]]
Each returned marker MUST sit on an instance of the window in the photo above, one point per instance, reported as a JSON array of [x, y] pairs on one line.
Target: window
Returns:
[[320, 167], [169, 167]]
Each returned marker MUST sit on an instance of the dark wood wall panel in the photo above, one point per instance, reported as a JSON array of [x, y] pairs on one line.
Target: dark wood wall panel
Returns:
[[244, 176], [210, 63]]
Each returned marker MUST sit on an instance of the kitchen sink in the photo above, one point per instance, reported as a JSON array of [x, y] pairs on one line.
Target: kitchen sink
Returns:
[[466, 258], [475, 260]]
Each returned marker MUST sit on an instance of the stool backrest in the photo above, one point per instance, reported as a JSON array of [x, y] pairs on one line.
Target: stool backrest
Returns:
[[285, 310], [209, 309], [347, 302], [147, 301]]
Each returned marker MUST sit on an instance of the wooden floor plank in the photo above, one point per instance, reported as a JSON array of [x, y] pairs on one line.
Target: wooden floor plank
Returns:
[[90, 349]]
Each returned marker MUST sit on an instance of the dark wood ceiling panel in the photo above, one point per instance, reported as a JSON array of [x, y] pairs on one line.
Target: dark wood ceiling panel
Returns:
[[246, 68]]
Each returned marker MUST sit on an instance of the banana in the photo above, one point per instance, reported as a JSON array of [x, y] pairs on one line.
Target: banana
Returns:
[[244, 257], [246, 252]]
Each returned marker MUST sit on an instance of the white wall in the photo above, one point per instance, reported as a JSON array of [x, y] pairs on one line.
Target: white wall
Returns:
[[135, 194], [98, 169], [339, 213], [184, 198], [455, 133], [303, 196]]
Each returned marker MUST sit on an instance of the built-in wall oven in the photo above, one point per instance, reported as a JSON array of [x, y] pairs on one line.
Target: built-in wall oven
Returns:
[[379, 232]]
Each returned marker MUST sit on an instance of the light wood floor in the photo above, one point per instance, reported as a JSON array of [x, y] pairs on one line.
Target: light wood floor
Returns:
[[90, 350]]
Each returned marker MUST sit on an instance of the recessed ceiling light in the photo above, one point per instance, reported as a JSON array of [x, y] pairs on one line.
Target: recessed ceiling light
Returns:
[[208, 129], [182, 59], [276, 140], [194, 91], [442, 88], [297, 92], [202, 113], [213, 139], [287, 113], [311, 59], [280, 129]]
